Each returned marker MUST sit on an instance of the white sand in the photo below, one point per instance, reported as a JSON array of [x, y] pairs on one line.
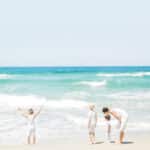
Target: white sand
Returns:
[[135, 143]]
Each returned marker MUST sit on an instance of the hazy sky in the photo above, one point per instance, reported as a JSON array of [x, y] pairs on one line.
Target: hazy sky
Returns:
[[79, 32]]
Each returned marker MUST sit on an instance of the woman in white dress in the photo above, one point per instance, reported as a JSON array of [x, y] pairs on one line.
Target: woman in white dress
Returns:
[[121, 116]]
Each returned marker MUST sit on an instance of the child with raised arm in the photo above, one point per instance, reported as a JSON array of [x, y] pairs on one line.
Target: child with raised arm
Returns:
[[92, 121], [30, 115]]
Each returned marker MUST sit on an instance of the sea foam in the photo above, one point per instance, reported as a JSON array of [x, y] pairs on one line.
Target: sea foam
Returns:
[[5, 76], [15, 101], [137, 74], [94, 83]]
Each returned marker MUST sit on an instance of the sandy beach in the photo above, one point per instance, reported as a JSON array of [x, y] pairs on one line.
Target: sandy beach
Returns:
[[68, 143]]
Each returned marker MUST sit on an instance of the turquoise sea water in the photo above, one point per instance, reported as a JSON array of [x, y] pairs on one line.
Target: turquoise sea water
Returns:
[[66, 92], [56, 81]]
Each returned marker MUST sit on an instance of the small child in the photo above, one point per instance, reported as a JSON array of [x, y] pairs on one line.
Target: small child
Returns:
[[92, 121], [30, 115], [108, 118]]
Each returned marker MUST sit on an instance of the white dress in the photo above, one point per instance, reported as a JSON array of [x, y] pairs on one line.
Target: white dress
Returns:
[[31, 125], [124, 118]]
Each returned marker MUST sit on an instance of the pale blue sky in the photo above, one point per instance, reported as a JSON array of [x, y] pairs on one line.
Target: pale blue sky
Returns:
[[80, 32]]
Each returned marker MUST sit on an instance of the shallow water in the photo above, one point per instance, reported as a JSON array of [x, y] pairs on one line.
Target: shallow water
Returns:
[[66, 92]]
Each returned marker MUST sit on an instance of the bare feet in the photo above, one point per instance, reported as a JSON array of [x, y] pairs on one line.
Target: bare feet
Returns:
[[91, 143], [118, 142]]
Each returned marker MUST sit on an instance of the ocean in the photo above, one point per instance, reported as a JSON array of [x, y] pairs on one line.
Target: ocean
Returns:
[[65, 93]]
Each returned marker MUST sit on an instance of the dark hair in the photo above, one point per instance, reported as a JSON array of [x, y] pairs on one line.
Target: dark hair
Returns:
[[108, 117], [105, 109], [31, 111]]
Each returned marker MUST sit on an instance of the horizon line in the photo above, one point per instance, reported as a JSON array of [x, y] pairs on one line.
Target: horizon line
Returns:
[[35, 66]]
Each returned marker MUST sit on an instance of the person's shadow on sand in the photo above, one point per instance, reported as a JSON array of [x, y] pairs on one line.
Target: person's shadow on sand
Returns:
[[125, 142], [101, 142], [128, 142]]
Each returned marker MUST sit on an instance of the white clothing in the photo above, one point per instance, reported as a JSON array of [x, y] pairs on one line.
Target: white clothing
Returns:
[[92, 118], [124, 118], [31, 125]]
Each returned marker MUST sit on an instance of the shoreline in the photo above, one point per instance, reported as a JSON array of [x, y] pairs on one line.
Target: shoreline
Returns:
[[131, 142]]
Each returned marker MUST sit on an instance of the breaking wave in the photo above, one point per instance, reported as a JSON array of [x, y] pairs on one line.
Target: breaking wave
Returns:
[[137, 74], [94, 83]]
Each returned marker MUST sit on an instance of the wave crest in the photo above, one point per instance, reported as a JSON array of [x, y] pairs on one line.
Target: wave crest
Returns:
[[137, 74], [34, 101], [5, 76], [94, 83]]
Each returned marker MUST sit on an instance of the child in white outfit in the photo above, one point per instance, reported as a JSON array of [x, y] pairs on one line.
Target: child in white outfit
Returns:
[[92, 121], [30, 115]]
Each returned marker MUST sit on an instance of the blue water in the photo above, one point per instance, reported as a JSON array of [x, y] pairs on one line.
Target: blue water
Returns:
[[67, 91], [56, 81]]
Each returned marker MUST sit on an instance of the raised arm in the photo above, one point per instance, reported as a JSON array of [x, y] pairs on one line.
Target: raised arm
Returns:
[[22, 112], [38, 112]]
